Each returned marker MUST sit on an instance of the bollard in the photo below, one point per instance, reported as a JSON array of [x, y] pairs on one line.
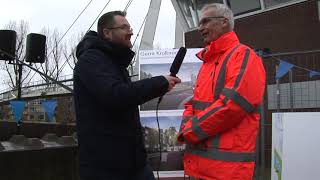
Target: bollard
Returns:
[[34, 143], [67, 141], [50, 137], [75, 136], [20, 140], [1, 147]]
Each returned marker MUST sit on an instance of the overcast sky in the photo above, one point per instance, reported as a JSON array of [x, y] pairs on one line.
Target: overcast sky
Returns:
[[60, 14]]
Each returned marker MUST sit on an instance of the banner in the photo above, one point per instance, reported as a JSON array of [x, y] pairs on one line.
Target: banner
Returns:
[[154, 63], [283, 68], [17, 109], [172, 151], [314, 73], [158, 62], [49, 107]]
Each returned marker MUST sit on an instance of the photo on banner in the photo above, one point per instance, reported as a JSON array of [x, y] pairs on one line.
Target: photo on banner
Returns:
[[158, 62], [172, 151]]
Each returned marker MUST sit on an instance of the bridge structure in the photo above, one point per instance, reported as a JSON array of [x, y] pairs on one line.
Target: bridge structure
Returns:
[[39, 88]]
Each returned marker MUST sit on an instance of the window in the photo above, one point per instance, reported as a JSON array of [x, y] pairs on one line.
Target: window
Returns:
[[271, 3], [32, 109], [319, 9], [41, 117], [35, 102], [239, 7]]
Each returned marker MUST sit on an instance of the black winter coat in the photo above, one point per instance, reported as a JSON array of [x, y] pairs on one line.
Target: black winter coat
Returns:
[[106, 103]]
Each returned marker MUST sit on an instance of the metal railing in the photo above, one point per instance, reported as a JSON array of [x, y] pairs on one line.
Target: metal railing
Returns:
[[39, 88]]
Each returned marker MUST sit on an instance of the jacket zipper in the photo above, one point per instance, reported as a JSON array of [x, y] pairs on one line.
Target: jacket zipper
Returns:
[[214, 73]]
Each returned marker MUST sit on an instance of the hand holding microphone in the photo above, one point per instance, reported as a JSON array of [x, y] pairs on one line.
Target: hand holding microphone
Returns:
[[172, 81], [174, 69]]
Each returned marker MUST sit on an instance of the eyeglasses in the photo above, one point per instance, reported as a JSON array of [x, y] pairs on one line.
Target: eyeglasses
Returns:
[[124, 27], [205, 20]]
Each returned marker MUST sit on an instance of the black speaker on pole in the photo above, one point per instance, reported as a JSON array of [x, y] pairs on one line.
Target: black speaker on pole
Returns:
[[7, 44], [36, 48]]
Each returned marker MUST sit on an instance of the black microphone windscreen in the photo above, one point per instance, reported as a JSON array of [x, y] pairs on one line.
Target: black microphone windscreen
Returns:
[[174, 69]]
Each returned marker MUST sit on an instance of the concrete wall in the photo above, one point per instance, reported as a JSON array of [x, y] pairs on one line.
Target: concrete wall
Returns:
[[34, 130], [45, 164]]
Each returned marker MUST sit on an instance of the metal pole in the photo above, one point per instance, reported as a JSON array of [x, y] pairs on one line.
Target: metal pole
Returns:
[[19, 94], [19, 62], [50, 78], [278, 92], [19, 81], [291, 90], [290, 53], [262, 141]]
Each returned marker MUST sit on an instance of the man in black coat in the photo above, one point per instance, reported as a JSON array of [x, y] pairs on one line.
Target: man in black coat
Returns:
[[106, 101]]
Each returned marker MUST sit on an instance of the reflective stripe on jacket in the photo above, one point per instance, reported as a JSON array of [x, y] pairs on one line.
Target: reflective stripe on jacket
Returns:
[[220, 123]]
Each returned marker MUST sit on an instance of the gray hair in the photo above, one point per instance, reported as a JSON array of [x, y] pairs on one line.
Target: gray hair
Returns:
[[222, 10]]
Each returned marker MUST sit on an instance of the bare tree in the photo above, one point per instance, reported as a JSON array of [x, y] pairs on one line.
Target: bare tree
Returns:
[[70, 52], [11, 70], [54, 49], [71, 59]]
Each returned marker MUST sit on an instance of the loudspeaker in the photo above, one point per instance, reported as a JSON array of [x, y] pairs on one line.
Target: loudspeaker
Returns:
[[7, 44], [36, 48]]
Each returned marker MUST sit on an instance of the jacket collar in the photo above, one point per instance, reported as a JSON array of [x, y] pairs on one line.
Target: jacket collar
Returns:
[[120, 55], [219, 46]]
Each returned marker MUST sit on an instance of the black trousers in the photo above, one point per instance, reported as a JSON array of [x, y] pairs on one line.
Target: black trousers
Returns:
[[143, 174]]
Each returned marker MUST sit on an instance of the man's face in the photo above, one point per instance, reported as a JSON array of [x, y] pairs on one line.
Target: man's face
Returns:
[[211, 25], [120, 32]]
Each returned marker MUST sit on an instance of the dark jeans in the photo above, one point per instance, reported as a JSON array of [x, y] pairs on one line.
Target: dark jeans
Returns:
[[143, 174]]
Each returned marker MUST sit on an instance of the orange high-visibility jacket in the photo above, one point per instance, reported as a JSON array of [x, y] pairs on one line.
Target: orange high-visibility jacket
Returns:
[[220, 123]]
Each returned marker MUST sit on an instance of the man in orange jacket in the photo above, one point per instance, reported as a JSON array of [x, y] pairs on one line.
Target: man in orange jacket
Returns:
[[220, 123]]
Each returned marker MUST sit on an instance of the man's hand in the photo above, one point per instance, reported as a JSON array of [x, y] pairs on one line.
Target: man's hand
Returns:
[[172, 81]]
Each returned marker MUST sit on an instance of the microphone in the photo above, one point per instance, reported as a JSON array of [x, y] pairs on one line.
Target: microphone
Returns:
[[175, 66]]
